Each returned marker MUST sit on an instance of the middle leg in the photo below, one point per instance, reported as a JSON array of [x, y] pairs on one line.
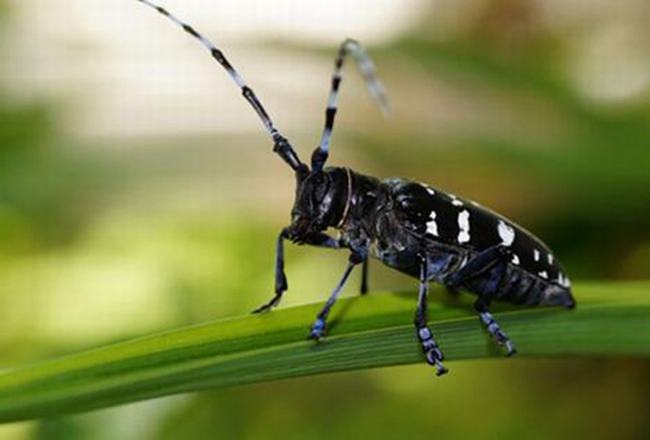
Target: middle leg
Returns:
[[430, 348], [318, 328]]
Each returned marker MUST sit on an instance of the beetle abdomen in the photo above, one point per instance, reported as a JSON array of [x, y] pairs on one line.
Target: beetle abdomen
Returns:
[[442, 220], [519, 286], [445, 218]]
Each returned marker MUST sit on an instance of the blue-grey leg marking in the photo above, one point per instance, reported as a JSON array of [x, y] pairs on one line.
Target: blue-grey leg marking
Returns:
[[495, 259], [317, 329], [486, 317], [319, 326], [432, 353], [493, 328]]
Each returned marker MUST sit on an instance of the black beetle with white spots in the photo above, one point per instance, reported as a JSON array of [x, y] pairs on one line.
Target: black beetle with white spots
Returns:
[[409, 226]]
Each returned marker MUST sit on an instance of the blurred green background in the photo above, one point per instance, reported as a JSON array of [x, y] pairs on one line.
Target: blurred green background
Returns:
[[139, 193]]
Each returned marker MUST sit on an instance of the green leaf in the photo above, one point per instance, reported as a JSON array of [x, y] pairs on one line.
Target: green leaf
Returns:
[[612, 319]]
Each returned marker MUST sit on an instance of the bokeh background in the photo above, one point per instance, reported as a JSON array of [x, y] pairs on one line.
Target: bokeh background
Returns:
[[138, 192]]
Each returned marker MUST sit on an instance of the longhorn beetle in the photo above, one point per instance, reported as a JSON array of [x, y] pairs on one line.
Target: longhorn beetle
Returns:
[[409, 226]]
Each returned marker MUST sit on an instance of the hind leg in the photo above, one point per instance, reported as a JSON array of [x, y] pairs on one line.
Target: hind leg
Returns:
[[493, 327], [494, 261]]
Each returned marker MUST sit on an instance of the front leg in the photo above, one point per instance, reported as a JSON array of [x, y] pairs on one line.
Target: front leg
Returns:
[[318, 239], [318, 329]]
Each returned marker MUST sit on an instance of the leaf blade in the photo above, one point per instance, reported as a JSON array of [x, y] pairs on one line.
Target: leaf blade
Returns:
[[368, 332]]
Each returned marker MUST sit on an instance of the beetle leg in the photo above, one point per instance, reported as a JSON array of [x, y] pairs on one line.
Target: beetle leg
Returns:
[[318, 328], [280, 277], [364, 277], [481, 306], [478, 265], [494, 329], [317, 239], [430, 348], [494, 259]]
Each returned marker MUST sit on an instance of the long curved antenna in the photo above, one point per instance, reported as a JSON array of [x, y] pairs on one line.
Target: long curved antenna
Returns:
[[281, 145], [367, 69]]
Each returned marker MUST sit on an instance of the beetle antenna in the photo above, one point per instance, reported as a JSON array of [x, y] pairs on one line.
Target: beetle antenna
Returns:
[[281, 144], [367, 69]]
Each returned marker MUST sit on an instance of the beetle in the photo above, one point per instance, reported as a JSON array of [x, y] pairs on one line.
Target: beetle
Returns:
[[409, 226]]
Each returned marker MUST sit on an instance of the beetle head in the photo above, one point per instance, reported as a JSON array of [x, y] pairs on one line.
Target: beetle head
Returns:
[[320, 201]]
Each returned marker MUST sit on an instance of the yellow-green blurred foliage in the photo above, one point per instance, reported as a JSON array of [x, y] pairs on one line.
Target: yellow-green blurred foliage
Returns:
[[115, 221]]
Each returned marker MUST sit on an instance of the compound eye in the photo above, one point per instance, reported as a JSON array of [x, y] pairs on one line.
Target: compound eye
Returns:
[[319, 192]]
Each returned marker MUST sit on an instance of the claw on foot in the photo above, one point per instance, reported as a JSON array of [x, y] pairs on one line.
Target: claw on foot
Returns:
[[512, 350], [495, 331], [434, 359], [268, 306], [432, 352], [318, 329]]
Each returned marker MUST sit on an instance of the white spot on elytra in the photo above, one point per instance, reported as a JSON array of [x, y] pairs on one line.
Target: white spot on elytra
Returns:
[[463, 224], [515, 259], [543, 274], [432, 226], [429, 190], [563, 280], [456, 202], [549, 257], [536, 255], [506, 232]]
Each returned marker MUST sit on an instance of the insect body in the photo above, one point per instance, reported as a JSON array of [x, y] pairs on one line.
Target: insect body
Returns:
[[409, 226]]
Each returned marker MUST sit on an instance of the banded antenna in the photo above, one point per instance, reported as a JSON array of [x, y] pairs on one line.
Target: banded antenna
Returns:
[[281, 144], [367, 69]]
